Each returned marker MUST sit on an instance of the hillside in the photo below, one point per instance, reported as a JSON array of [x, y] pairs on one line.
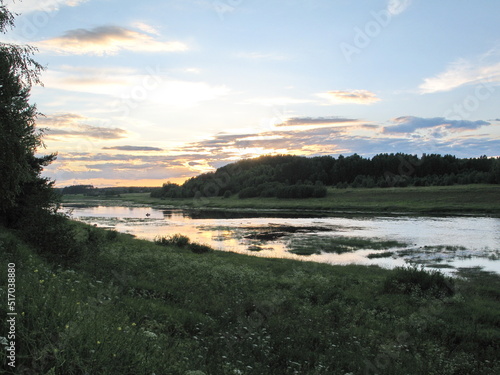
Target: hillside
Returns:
[[91, 301], [290, 176]]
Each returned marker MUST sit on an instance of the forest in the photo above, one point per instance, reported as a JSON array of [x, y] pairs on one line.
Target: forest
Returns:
[[291, 176]]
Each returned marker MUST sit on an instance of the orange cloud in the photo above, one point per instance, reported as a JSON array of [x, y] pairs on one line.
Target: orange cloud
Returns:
[[107, 40], [350, 97]]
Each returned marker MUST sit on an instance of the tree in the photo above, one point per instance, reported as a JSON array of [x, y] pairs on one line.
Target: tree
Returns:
[[20, 168]]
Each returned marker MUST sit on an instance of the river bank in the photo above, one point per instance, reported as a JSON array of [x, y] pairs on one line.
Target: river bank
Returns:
[[133, 307], [455, 200]]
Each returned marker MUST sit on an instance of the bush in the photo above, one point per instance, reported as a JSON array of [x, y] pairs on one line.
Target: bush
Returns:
[[249, 192], [177, 239], [52, 234], [408, 280], [199, 248]]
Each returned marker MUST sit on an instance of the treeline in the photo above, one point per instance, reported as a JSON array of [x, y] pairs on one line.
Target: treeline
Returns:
[[290, 176], [90, 190]]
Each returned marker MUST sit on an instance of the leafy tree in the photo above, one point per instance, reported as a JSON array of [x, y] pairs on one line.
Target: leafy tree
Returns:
[[20, 182]]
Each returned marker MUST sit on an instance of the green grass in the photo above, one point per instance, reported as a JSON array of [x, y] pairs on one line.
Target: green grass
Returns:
[[435, 199], [140, 308]]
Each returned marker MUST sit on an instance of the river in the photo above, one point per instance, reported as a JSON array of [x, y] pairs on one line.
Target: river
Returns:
[[444, 242]]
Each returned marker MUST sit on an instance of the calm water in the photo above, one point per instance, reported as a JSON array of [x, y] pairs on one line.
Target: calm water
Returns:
[[444, 242]]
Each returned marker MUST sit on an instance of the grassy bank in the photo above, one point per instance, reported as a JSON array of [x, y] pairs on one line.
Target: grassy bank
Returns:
[[459, 199], [127, 306]]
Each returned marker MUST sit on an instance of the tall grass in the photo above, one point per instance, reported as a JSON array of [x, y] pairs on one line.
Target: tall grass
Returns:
[[138, 309]]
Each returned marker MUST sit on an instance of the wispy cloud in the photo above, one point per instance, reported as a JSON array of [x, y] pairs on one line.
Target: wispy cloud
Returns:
[[73, 125], [121, 83], [396, 7], [277, 101], [409, 124], [27, 6], [133, 148], [315, 121], [350, 97], [184, 161], [464, 72], [146, 28], [107, 40]]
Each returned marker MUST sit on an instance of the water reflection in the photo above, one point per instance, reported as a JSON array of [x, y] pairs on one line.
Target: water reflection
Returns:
[[433, 241]]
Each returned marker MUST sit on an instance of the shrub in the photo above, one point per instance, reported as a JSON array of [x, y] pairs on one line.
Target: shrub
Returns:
[[407, 280], [199, 248], [177, 239], [249, 192], [52, 234]]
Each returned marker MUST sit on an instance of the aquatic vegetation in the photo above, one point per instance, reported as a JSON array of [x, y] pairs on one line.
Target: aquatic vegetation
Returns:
[[181, 241], [337, 244], [143, 310], [385, 254]]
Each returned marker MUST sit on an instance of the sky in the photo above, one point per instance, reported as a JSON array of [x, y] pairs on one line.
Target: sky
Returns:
[[138, 93]]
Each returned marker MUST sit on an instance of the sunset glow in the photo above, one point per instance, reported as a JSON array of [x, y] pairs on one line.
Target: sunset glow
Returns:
[[140, 93]]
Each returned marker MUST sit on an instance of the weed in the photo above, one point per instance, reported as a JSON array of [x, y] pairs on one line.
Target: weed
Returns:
[[407, 280]]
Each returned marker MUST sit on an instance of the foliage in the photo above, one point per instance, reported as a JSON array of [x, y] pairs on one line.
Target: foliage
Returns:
[[177, 239], [409, 280], [77, 189], [181, 241], [289, 176], [144, 310], [21, 187]]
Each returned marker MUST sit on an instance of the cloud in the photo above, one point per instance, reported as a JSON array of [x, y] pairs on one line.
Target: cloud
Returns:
[[277, 101], [350, 97], [72, 125], [27, 6], [188, 160], [146, 28], [107, 40], [314, 121], [132, 148], [463, 72], [396, 7], [409, 124], [131, 87]]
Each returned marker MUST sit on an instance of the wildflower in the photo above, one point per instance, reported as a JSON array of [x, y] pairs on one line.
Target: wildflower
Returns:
[[119, 328], [150, 335], [35, 271], [42, 281], [133, 324], [98, 342], [66, 326]]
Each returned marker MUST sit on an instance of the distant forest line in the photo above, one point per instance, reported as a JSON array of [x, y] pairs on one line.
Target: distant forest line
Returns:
[[291, 176]]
